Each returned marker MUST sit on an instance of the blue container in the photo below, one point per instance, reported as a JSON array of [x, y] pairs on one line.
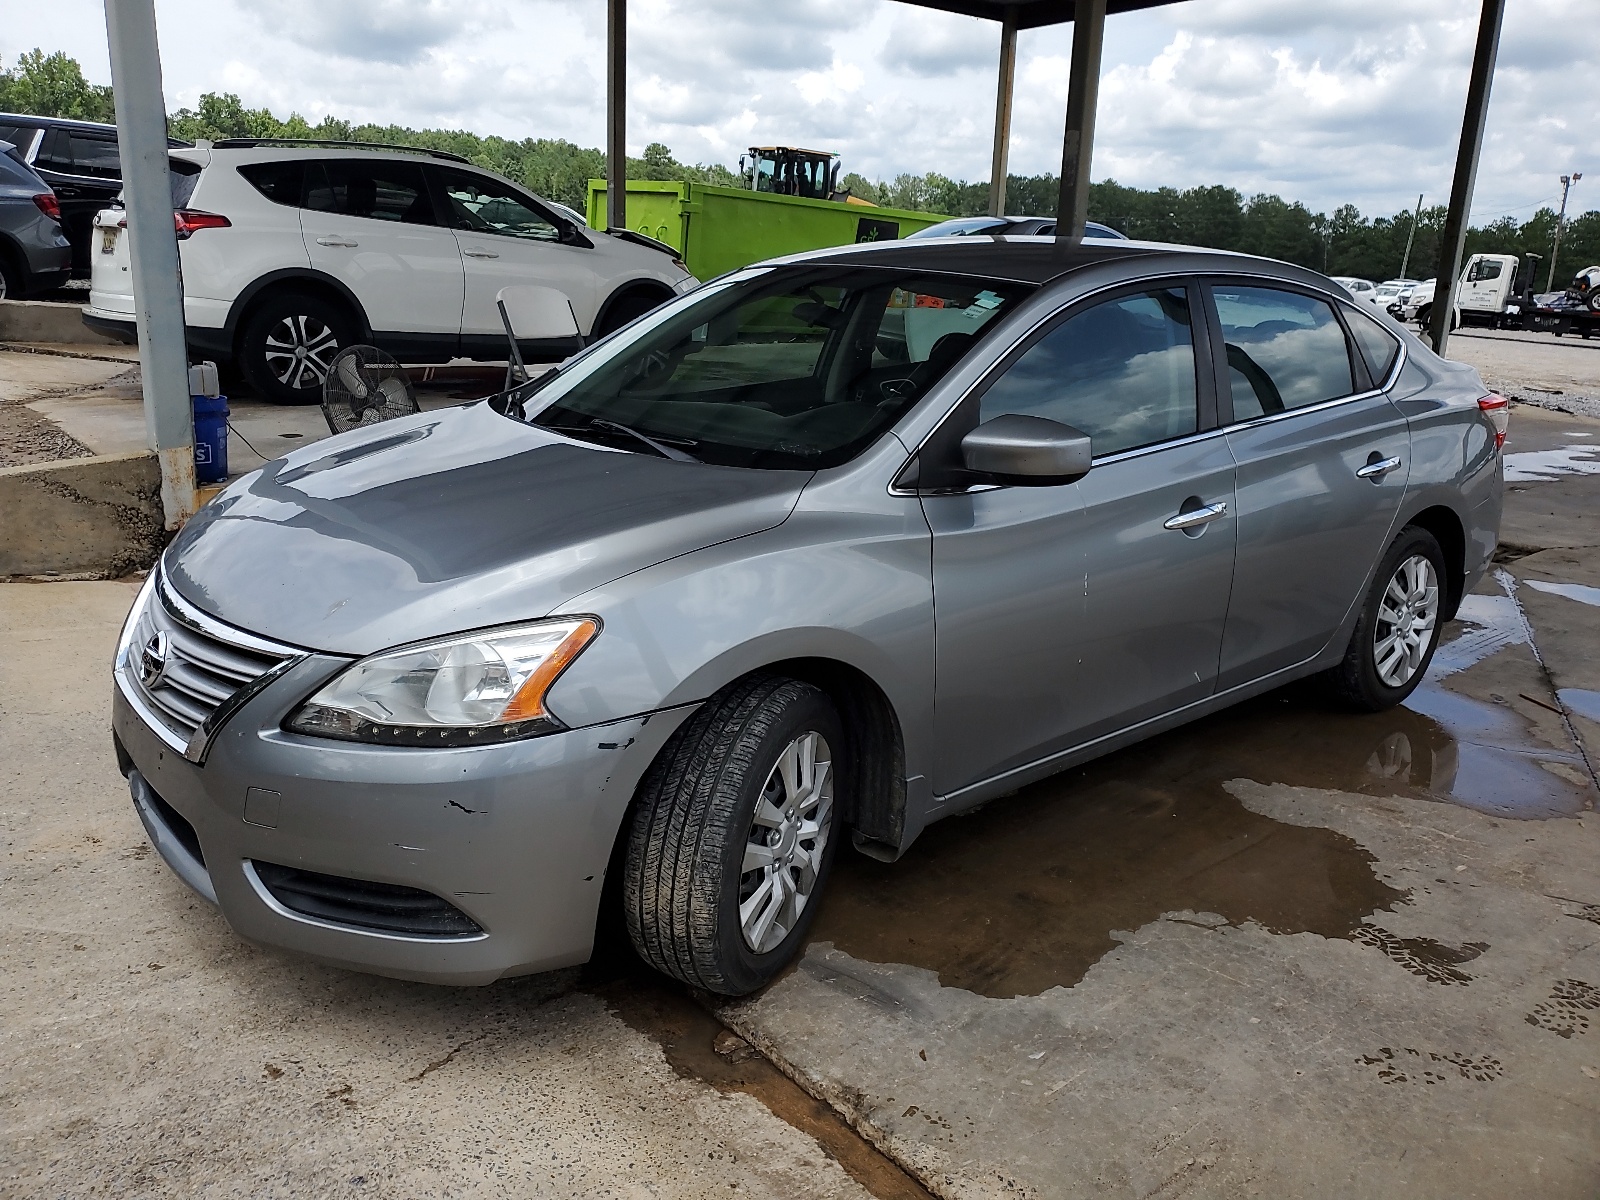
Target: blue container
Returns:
[[210, 438]]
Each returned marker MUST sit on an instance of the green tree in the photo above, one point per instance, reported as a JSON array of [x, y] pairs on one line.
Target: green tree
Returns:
[[52, 85]]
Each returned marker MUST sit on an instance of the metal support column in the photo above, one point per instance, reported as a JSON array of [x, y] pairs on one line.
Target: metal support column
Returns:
[[1453, 239], [1002, 114], [1083, 93], [616, 114], [153, 250]]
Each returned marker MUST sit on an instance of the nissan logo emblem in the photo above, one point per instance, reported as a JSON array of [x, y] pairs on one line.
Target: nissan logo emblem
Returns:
[[153, 659]]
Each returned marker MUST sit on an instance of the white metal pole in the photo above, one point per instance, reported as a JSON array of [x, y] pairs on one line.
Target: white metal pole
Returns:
[[153, 249], [1004, 92]]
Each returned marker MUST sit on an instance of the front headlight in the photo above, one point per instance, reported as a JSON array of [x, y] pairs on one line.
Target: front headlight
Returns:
[[461, 691]]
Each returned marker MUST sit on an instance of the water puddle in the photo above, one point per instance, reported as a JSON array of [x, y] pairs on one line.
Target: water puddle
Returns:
[[1584, 703], [1542, 466], [698, 1047], [1572, 591], [1024, 894]]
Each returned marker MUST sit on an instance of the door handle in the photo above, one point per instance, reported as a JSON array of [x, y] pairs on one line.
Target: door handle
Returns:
[[1377, 468], [331, 239], [479, 252], [1197, 516]]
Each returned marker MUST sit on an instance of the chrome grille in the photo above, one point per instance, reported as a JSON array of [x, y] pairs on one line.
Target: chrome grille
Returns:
[[187, 671]]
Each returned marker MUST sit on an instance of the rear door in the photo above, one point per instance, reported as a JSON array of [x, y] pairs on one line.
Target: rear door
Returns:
[[370, 223], [507, 238], [1323, 459]]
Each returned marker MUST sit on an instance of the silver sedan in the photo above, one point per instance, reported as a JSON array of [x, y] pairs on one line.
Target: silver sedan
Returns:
[[827, 550]]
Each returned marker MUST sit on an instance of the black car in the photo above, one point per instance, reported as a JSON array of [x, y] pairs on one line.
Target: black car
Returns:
[[78, 159], [1011, 226]]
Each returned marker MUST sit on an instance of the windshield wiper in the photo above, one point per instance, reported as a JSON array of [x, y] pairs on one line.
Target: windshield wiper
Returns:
[[660, 448]]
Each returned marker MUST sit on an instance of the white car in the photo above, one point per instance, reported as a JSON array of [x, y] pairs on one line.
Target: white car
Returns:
[[291, 251], [1392, 291], [1363, 290]]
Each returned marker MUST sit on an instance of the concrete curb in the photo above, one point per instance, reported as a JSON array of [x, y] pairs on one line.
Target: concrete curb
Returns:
[[97, 516], [46, 321]]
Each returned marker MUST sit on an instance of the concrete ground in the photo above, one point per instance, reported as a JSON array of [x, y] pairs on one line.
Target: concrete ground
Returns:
[[1282, 952], [1562, 372]]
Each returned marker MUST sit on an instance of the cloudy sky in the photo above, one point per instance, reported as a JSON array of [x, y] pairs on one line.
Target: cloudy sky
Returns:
[[1324, 101]]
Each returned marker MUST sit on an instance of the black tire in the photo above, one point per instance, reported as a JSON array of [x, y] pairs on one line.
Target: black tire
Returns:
[[1359, 681], [628, 308], [13, 284], [694, 820], [275, 324]]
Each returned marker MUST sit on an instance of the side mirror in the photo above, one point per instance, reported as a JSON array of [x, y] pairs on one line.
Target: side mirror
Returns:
[[1027, 451]]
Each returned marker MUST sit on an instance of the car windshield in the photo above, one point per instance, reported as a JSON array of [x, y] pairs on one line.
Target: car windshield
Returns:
[[790, 368]]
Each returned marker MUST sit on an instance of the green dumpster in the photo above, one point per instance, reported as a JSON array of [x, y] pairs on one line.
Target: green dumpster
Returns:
[[718, 229]]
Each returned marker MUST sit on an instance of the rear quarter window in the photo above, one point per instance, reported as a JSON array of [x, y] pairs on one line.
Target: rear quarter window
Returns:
[[182, 176], [1378, 346], [280, 182]]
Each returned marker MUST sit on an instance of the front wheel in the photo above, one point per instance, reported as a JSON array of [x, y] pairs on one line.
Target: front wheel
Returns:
[[733, 835], [1398, 629]]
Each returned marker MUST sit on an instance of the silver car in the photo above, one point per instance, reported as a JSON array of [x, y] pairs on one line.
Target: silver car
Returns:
[[827, 550]]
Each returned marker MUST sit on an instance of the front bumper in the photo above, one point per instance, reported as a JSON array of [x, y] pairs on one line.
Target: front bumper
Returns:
[[516, 836]]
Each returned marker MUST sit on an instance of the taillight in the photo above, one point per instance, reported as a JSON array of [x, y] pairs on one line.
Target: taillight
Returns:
[[188, 220], [1498, 410], [49, 205]]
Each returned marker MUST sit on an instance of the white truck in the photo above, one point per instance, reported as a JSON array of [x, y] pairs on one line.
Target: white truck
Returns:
[[1497, 290]]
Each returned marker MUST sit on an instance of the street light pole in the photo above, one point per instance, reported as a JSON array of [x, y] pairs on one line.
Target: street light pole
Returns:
[[1411, 237], [1566, 185]]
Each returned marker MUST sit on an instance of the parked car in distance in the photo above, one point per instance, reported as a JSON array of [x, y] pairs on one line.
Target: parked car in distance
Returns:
[[291, 252], [1008, 227], [403, 698], [1363, 290], [78, 159], [1392, 291], [34, 253]]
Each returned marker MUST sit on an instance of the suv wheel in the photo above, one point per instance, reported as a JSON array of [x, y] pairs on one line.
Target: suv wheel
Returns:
[[628, 308], [287, 344], [733, 834], [1398, 629]]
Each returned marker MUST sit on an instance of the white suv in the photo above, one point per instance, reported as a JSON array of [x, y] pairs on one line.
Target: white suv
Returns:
[[291, 251]]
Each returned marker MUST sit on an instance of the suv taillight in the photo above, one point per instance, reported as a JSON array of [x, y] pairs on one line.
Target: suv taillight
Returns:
[[1498, 410], [49, 205], [188, 220]]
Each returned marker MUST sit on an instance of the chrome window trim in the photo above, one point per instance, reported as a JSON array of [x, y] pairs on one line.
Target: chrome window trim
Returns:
[[282, 910]]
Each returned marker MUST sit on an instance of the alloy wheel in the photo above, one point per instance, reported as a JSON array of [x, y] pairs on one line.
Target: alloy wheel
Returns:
[[299, 350], [1407, 614], [783, 851]]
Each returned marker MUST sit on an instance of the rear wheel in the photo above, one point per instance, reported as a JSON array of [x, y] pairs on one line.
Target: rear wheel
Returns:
[[287, 344], [733, 835], [11, 281], [1399, 626]]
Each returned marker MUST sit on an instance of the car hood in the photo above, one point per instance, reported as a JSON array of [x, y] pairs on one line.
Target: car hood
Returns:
[[446, 521]]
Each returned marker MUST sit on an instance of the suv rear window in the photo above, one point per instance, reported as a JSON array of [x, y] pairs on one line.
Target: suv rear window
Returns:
[[279, 182], [182, 175]]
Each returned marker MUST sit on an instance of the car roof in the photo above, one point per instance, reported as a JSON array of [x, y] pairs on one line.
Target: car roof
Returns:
[[63, 122], [1039, 260]]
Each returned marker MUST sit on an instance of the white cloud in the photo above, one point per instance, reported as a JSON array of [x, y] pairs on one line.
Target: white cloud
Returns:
[[1323, 101]]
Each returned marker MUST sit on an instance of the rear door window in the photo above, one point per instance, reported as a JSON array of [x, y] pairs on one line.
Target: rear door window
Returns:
[[1122, 371], [1285, 350], [369, 188], [94, 154]]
